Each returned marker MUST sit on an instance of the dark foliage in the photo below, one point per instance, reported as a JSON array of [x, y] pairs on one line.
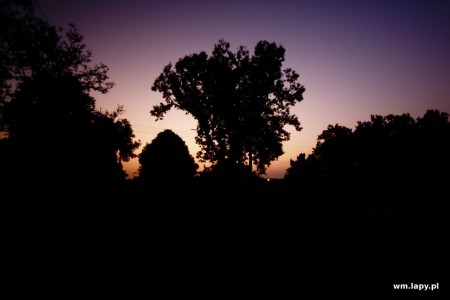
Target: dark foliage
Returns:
[[393, 149], [241, 102], [166, 161], [364, 211], [45, 106], [60, 157]]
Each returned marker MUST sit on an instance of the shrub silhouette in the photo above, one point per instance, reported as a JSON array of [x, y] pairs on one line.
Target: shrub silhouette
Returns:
[[166, 160]]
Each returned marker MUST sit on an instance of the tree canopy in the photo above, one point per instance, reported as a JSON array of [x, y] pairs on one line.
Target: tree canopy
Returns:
[[241, 102], [394, 148], [46, 107]]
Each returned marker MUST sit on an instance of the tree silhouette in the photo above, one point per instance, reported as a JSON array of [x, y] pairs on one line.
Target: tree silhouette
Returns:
[[333, 157], [30, 46], [46, 108], [394, 149], [297, 168], [387, 148], [241, 102], [166, 160], [60, 157]]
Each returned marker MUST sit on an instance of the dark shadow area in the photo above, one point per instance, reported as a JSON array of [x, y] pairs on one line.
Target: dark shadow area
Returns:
[[366, 210], [230, 235], [281, 241]]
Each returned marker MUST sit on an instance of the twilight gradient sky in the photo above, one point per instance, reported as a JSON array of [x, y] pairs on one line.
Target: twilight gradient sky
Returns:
[[355, 58]]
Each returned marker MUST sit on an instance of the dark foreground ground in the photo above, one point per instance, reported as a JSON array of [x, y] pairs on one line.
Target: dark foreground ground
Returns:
[[264, 240]]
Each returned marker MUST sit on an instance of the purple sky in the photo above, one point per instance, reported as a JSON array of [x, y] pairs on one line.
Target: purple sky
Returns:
[[355, 58]]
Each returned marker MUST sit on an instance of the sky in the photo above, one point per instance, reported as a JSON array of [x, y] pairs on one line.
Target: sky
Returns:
[[355, 58]]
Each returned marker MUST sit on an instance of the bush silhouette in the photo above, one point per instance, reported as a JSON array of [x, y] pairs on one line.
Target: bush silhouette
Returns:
[[166, 160]]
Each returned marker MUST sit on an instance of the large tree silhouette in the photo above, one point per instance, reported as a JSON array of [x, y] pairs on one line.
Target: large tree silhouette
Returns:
[[241, 102], [46, 108], [166, 160], [31, 46], [60, 156]]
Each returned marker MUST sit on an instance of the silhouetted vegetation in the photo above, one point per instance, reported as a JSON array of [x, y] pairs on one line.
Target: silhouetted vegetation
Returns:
[[60, 156], [241, 102], [166, 161], [367, 208], [394, 150], [46, 109]]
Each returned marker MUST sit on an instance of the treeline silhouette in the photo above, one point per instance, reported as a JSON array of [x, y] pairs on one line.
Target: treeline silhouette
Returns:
[[393, 151], [366, 209], [336, 226]]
